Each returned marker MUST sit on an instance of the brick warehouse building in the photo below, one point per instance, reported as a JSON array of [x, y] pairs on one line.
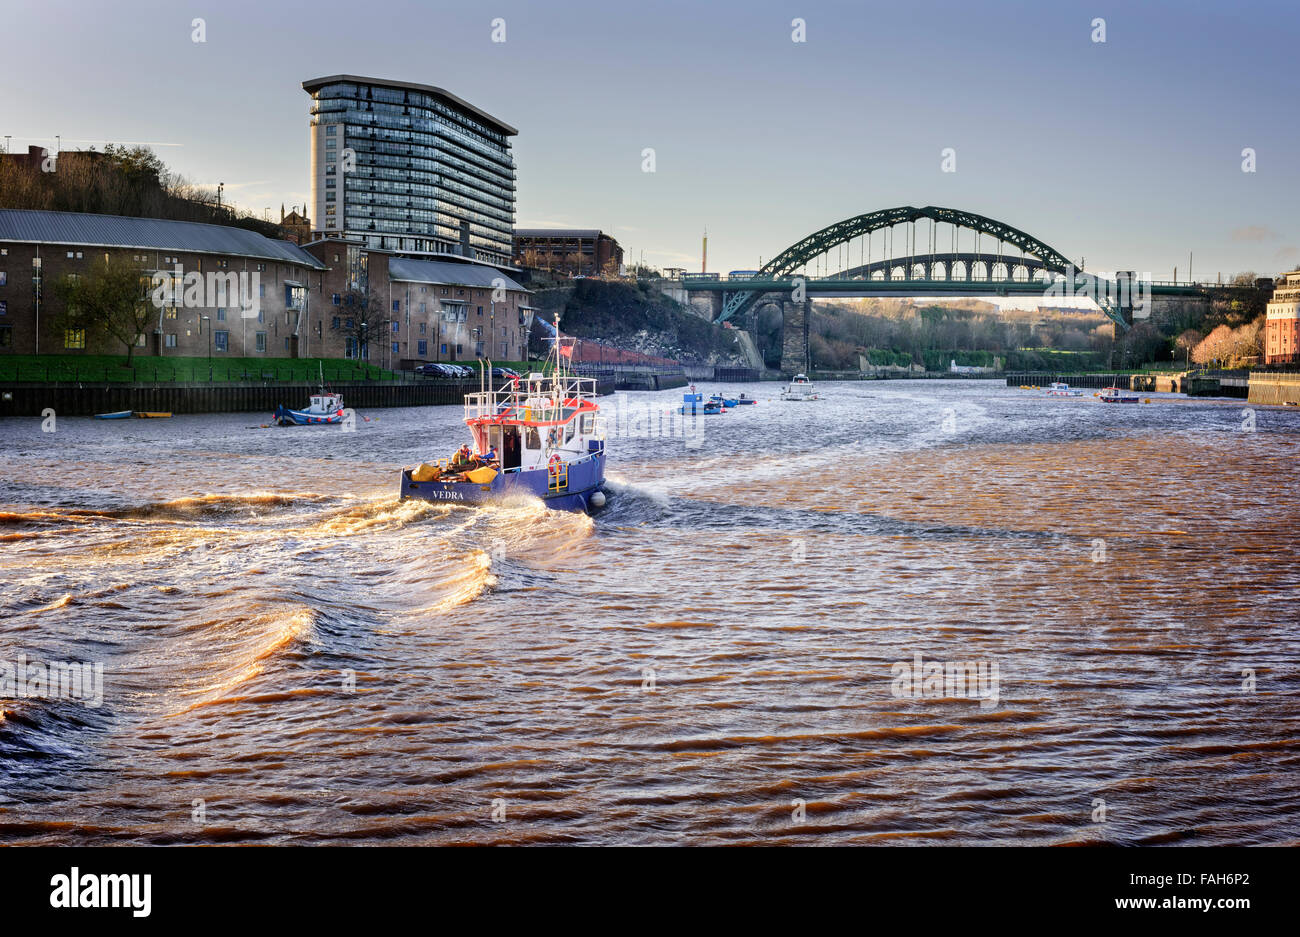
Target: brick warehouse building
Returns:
[[434, 310], [431, 310], [575, 251], [1282, 324]]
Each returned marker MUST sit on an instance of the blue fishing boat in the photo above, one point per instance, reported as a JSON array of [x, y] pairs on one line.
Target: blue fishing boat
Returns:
[[119, 415], [744, 399], [324, 408], [724, 401], [693, 404], [538, 435]]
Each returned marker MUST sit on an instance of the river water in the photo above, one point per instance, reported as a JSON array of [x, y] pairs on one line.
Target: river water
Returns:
[[725, 654]]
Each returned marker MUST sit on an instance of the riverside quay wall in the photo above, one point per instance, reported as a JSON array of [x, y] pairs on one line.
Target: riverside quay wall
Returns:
[[68, 399], [1275, 387]]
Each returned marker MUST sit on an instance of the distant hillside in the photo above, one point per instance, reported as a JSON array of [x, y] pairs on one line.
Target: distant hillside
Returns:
[[639, 318]]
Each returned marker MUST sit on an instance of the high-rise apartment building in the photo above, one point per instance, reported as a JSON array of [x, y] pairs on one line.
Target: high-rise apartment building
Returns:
[[410, 168]]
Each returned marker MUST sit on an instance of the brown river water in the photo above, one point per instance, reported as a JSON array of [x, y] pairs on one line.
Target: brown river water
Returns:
[[723, 655]]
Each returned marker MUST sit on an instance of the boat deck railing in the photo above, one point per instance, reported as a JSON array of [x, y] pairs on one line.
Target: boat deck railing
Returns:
[[543, 397]]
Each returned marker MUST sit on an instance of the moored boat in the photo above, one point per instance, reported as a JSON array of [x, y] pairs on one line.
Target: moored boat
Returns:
[[151, 414], [1116, 395], [693, 404], [799, 388], [724, 401], [538, 435], [325, 407], [1061, 389]]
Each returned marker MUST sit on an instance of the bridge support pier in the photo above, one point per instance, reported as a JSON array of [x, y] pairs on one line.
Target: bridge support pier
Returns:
[[794, 349]]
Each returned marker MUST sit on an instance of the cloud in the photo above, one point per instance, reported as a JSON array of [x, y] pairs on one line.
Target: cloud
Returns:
[[1255, 233], [1286, 253]]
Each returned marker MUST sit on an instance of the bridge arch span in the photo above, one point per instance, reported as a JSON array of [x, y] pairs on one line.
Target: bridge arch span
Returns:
[[1031, 254]]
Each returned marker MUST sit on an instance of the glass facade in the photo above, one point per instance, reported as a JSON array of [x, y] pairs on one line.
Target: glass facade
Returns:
[[411, 169]]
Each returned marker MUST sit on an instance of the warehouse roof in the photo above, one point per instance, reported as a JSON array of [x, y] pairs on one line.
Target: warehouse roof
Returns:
[[89, 230], [448, 273]]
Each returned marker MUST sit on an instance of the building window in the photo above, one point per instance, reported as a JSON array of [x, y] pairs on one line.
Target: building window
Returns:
[[221, 341], [6, 336], [169, 340], [4, 307], [261, 316], [396, 348], [286, 343], [444, 348], [423, 347], [397, 305], [335, 298], [221, 315], [4, 278], [335, 323], [422, 325], [397, 327], [74, 338], [331, 129], [261, 341]]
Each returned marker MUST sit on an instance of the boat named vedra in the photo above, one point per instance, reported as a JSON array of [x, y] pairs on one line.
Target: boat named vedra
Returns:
[[538, 435]]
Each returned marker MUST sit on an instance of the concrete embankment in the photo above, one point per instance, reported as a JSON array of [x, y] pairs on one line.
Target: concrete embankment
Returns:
[[1277, 387], [85, 400]]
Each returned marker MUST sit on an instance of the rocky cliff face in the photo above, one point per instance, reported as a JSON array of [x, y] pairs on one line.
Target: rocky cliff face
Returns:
[[625, 315]]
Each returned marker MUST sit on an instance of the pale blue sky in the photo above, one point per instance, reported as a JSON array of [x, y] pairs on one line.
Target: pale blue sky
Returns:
[[1126, 153]]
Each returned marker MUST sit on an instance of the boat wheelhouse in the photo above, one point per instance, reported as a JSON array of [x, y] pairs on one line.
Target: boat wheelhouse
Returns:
[[540, 435]]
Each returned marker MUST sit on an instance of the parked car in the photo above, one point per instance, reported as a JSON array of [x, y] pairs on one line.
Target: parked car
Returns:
[[437, 369]]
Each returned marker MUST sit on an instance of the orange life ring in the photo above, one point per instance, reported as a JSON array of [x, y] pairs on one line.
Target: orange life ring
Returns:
[[553, 465]]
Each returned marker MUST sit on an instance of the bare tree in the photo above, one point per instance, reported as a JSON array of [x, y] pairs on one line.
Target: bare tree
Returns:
[[109, 301], [363, 319]]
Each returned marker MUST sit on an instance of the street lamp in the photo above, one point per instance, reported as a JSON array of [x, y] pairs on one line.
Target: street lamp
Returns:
[[208, 319]]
